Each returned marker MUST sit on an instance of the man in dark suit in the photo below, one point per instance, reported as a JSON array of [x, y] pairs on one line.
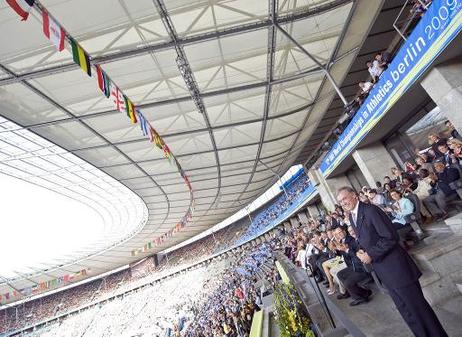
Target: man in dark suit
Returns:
[[378, 241], [446, 176]]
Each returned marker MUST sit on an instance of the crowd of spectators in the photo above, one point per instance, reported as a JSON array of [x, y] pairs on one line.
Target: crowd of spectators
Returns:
[[217, 298], [46, 307], [425, 190], [375, 67], [326, 245], [427, 185], [267, 217]]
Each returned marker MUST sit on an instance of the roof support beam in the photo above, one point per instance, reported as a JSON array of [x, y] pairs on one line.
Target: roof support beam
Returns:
[[304, 13], [188, 77], [184, 98], [273, 6], [315, 60]]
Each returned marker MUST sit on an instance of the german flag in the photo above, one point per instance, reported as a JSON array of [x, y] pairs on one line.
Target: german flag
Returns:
[[80, 57]]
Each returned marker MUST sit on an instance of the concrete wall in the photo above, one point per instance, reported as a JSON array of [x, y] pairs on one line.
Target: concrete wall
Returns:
[[327, 188], [374, 161], [444, 85]]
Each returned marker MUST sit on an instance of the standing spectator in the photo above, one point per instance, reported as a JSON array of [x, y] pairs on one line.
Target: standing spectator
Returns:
[[395, 268]]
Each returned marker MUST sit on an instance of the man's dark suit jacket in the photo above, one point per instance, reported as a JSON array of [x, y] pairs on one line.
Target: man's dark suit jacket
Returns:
[[449, 175], [378, 237]]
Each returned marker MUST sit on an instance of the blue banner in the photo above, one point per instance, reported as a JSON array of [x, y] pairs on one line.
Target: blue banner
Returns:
[[438, 27]]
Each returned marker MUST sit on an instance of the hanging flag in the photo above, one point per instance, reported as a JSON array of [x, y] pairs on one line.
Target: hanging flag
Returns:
[[104, 83], [151, 133], [80, 57], [118, 98], [188, 183], [53, 31], [130, 108], [157, 140], [22, 7], [143, 123]]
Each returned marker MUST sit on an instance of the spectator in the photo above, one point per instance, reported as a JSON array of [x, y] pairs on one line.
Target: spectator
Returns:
[[400, 209], [447, 156], [456, 146], [389, 181], [354, 273], [422, 164], [434, 140], [451, 131], [365, 87], [426, 192], [376, 199], [375, 70], [384, 59], [378, 187], [446, 176]]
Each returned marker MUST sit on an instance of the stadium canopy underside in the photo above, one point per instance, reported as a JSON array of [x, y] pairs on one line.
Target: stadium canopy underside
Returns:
[[263, 96]]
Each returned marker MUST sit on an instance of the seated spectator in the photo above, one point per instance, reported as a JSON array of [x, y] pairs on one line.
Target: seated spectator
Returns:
[[408, 184], [379, 187], [317, 253], [363, 197], [365, 87], [396, 174], [451, 131], [376, 198], [333, 266], [422, 163], [446, 176], [386, 193], [389, 181], [456, 146], [337, 220], [330, 264], [354, 273], [426, 192], [434, 140], [375, 70], [447, 157], [301, 255], [400, 209]]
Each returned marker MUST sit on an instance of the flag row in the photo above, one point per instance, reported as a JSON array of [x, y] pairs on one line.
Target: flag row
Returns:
[[57, 35], [157, 241], [43, 286]]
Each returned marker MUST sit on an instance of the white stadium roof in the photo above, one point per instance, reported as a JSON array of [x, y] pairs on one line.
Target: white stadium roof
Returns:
[[262, 97]]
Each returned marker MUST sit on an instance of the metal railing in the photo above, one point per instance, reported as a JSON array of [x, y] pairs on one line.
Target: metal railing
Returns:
[[402, 25]]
